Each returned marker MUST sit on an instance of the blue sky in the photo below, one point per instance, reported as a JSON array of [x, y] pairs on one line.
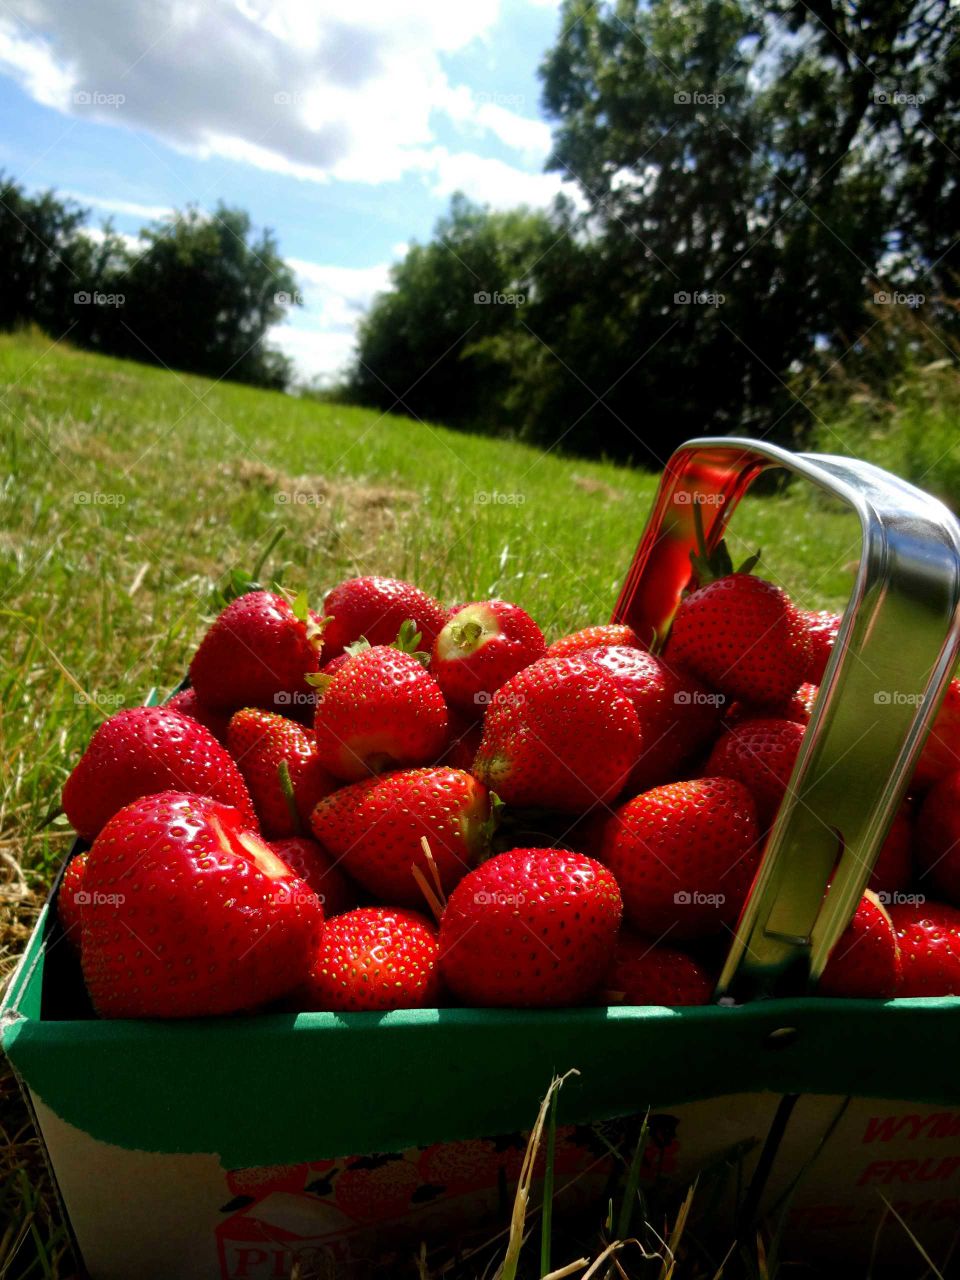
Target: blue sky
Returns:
[[345, 128]]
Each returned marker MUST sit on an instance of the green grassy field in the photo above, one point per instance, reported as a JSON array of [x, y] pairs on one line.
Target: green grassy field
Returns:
[[128, 491]]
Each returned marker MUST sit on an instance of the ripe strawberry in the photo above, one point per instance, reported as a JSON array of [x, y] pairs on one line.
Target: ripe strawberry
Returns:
[[376, 608], [315, 867], [480, 647], [643, 973], [822, 629], [894, 865], [141, 751], [256, 654], [938, 838], [761, 754], [865, 962], [70, 898], [612, 633], [929, 938], [799, 708], [558, 735], [684, 856], [188, 704], [377, 1188], [375, 828], [740, 634], [380, 711], [941, 751], [189, 914], [678, 717], [374, 958], [530, 928], [278, 758]]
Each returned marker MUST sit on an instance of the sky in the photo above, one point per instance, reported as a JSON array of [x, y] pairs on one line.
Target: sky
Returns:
[[345, 128]]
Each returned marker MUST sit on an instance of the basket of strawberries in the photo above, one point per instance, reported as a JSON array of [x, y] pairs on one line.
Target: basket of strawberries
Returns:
[[340, 907]]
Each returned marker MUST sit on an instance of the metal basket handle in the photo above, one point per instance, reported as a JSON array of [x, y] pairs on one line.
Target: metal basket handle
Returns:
[[895, 653]]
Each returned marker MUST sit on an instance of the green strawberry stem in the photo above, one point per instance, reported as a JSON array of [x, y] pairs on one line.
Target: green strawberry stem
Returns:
[[546, 1220], [286, 786], [709, 565], [408, 641]]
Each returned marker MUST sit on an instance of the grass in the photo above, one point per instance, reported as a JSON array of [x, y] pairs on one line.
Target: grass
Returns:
[[130, 490]]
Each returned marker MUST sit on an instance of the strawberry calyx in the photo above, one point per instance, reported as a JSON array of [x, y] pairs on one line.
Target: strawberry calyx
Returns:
[[314, 629], [240, 582], [408, 641], [286, 786], [710, 564]]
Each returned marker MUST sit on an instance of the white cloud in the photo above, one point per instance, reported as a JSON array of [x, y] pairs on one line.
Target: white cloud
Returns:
[[318, 91], [150, 212]]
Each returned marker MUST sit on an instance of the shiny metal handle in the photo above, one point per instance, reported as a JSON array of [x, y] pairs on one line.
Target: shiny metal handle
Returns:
[[895, 653]]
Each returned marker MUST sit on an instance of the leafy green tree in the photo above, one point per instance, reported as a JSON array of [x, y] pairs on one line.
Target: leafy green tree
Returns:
[[37, 250]]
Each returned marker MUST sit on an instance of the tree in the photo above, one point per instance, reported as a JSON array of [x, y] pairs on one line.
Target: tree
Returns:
[[37, 247]]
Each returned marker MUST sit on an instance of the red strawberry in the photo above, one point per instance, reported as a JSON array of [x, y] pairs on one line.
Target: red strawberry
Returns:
[[465, 735], [264, 745], [375, 1189], [188, 704], [530, 928], [761, 754], [316, 868], [612, 633], [376, 608], [374, 958], [256, 654], [480, 647], [929, 938], [684, 856], [822, 629], [938, 838], [865, 962], [558, 735], [643, 973], [189, 914], [893, 867], [141, 751], [380, 711], [743, 636], [678, 717], [375, 828], [941, 751], [799, 708], [70, 898]]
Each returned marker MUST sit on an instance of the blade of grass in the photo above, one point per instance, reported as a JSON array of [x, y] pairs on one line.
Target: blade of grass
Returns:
[[546, 1217]]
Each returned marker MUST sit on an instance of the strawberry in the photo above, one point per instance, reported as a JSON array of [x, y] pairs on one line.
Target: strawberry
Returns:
[[480, 647], [143, 750], [465, 735], [678, 716], [643, 973], [894, 865], [279, 763], [684, 856], [559, 735], [611, 633], [188, 704], [938, 838], [530, 928], [865, 961], [257, 653], [799, 708], [377, 1188], [375, 828], [761, 754], [941, 751], [189, 914], [375, 958], [822, 629], [380, 711], [70, 898], [315, 867], [929, 938], [739, 634], [375, 608]]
